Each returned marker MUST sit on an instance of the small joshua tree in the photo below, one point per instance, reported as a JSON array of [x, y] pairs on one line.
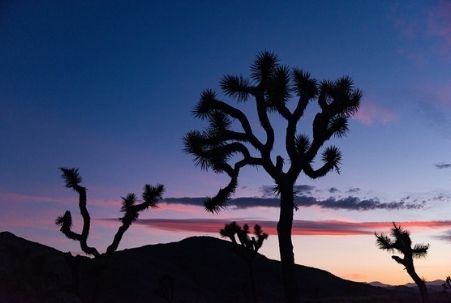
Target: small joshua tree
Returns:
[[247, 247], [402, 243], [130, 207]]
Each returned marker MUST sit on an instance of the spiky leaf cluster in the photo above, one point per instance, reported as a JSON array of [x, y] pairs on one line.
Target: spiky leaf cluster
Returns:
[[151, 195], [209, 151], [219, 201], [65, 221], [71, 177]]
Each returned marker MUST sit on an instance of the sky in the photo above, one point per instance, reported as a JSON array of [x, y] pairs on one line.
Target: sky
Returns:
[[109, 87]]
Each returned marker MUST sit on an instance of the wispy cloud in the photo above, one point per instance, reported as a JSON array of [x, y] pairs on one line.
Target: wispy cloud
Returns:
[[434, 102], [333, 190], [271, 191], [426, 31], [9, 196], [348, 203], [439, 25], [300, 227], [354, 190], [371, 113], [442, 165], [445, 236]]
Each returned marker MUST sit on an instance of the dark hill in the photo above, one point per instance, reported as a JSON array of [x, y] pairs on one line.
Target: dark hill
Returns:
[[198, 269]]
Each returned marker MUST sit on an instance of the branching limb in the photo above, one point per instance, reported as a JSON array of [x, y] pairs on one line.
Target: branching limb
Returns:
[[151, 197], [331, 158], [208, 104], [65, 222], [218, 202], [73, 180]]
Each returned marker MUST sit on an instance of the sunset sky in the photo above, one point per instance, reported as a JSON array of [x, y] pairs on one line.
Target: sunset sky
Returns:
[[109, 86]]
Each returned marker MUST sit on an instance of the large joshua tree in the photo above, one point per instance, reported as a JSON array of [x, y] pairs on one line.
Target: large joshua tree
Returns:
[[230, 143], [402, 243], [130, 207]]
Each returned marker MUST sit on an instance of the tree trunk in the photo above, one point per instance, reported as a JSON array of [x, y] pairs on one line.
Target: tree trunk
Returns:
[[420, 283], [251, 276], [117, 238], [284, 227]]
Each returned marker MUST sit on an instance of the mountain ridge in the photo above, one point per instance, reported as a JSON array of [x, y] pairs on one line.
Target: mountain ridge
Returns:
[[195, 269]]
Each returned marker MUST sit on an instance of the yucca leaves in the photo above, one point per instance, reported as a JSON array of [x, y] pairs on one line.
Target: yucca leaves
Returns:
[[218, 202], [203, 107], [332, 157], [401, 242], [152, 194], [384, 242], [338, 126], [304, 85], [236, 86], [278, 88], [128, 202], [65, 221], [71, 177], [339, 98], [302, 143], [263, 66], [420, 250]]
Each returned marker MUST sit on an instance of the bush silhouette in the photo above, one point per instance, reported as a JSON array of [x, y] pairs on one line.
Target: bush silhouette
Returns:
[[247, 247], [402, 243], [228, 143], [130, 207]]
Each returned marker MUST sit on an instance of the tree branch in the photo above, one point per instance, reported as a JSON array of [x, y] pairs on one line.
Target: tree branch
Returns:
[[241, 117]]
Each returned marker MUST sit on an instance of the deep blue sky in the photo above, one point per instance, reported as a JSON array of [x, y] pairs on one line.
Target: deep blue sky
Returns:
[[96, 85], [108, 86]]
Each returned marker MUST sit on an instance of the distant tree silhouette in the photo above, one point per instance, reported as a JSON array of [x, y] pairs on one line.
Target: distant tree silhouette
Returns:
[[225, 146], [447, 284], [402, 243], [247, 247], [130, 207]]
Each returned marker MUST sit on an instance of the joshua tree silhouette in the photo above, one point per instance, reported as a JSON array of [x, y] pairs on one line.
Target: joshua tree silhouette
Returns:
[[248, 246], [447, 284], [150, 196], [402, 243], [271, 87]]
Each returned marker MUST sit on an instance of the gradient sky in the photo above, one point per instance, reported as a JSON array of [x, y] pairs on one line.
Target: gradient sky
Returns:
[[108, 87]]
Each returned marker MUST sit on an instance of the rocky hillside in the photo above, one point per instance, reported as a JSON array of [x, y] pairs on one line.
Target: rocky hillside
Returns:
[[198, 269]]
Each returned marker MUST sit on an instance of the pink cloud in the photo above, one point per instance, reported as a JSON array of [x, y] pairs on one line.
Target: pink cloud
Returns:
[[439, 95], [439, 25], [300, 227], [430, 28], [178, 208], [9, 196], [371, 113]]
